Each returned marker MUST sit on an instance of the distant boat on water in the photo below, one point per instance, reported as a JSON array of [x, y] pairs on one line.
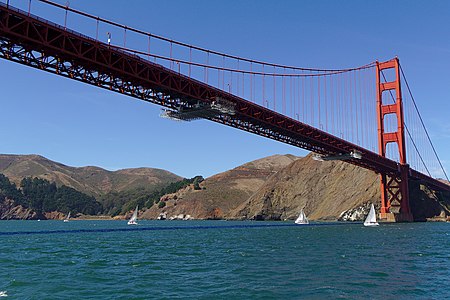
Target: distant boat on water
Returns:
[[301, 219], [67, 218], [371, 219], [133, 220]]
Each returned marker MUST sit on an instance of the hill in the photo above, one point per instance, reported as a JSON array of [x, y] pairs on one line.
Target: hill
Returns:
[[223, 192], [90, 180], [278, 187], [323, 189], [271, 188], [331, 190]]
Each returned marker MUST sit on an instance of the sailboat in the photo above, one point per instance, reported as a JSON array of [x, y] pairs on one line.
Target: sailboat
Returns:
[[371, 219], [67, 218], [302, 219], [133, 220]]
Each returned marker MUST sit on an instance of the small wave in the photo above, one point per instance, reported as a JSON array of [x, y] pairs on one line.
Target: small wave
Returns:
[[379, 274], [164, 228], [325, 287], [3, 294]]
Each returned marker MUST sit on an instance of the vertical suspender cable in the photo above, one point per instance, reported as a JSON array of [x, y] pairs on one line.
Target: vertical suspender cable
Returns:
[[283, 87], [190, 58], [352, 128], [274, 91], [318, 112], [223, 72], [237, 80], [299, 102], [171, 62], [218, 78], [344, 105], [96, 31], [421, 121], [406, 127], [65, 16], [148, 49], [356, 110], [326, 102], [207, 67], [204, 70], [231, 82], [333, 106], [243, 85], [311, 99], [303, 99], [291, 99], [264, 87], [338, 105], [251, 81], [125, 37]]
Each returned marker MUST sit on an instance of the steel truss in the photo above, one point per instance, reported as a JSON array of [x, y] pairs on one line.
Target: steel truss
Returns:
[[38, 43]]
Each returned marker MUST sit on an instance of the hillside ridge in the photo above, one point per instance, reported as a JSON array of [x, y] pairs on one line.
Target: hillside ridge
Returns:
[[91, 180]]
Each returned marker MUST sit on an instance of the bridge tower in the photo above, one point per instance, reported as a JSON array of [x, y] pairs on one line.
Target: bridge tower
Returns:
[[394, 187]]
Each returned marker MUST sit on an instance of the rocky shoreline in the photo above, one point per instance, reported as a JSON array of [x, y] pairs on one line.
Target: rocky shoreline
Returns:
[[10, 211], [271, 188]]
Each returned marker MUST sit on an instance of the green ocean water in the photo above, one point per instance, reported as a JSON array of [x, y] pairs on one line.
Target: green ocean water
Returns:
[[223, 260]]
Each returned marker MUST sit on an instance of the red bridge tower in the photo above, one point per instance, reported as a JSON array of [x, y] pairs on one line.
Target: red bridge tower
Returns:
[[394, 186]]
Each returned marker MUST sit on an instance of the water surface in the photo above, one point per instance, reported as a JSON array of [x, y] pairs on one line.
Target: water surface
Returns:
[[223, 260]]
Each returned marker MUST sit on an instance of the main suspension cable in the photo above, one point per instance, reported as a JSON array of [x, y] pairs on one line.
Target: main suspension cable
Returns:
[[423, 124], [96, 18], [407, 130]]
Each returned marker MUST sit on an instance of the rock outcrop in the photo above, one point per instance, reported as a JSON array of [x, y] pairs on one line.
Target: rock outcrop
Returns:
[[358, 213], [10, 211]]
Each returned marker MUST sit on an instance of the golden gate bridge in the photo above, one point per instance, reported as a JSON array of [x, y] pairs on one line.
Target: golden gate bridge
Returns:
[[365, 115]]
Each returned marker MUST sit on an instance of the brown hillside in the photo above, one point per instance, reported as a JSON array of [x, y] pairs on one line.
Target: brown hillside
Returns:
[[323, 189], [90, 180], [278, 187], [223, 192]]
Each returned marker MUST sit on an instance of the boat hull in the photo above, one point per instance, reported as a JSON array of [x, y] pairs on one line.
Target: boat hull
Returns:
[[301, 223], [371, 224]]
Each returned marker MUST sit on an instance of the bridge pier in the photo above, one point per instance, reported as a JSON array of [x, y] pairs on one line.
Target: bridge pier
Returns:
[[395, 218]]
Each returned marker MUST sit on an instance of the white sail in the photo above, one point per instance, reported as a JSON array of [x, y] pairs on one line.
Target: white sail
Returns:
[[67, 218], [371, 219], [133, 220], [302, 219]]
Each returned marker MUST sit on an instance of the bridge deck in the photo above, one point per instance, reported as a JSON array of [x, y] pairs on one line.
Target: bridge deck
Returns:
[[38, 43]]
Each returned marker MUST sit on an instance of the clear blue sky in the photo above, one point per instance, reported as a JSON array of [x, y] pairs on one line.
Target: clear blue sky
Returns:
[[78, 124]]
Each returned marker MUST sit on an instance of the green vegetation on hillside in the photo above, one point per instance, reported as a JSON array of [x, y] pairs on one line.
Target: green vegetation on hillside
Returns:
[[116, 203], [43, 196], [10, 191]]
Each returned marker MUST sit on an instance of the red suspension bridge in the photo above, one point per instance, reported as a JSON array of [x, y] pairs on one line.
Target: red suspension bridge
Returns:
[[366, 116]]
